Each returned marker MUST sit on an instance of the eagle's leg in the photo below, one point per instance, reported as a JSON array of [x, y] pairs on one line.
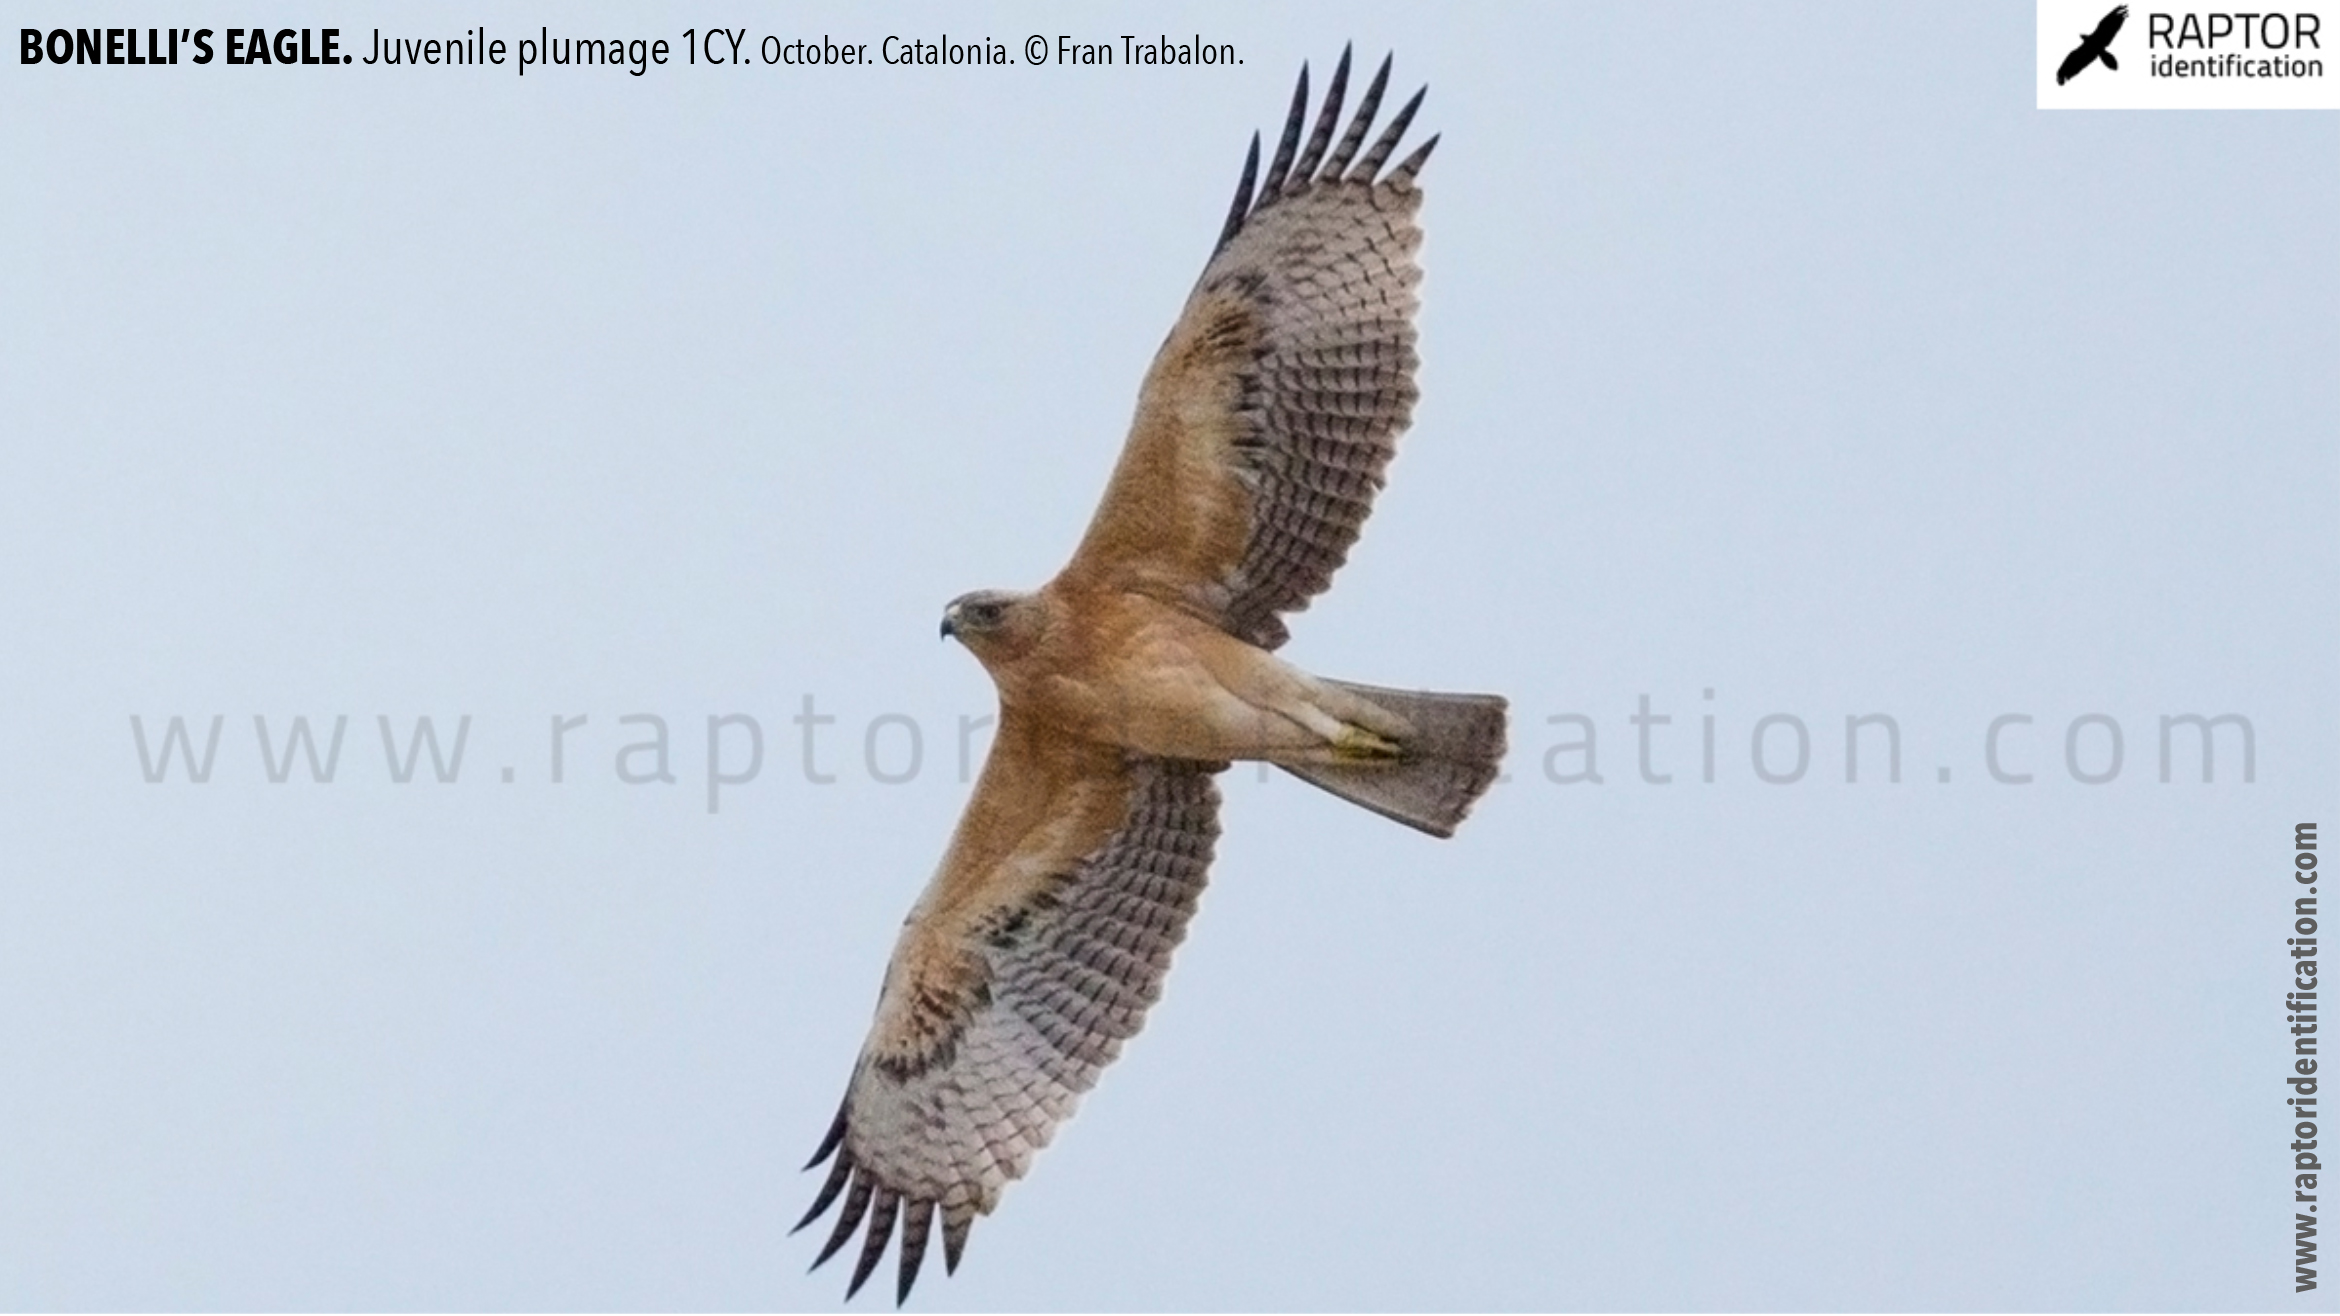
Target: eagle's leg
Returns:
[[1352, 730], [1257, 706], [1357, 745]]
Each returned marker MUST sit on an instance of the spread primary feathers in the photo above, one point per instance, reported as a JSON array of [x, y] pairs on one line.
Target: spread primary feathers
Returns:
[[1131, 679]]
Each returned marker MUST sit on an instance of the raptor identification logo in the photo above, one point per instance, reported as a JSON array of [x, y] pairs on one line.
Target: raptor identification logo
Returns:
[[2149, 55]]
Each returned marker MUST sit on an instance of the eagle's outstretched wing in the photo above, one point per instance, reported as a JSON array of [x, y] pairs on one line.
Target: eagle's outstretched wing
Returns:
[[2106, 30], [1031, 957], [1272, 409]]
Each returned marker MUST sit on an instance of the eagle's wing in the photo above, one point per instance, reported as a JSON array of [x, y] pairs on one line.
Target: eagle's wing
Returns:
[[1270, 412], [2074, 62], [2109, 28], [1031, 956]]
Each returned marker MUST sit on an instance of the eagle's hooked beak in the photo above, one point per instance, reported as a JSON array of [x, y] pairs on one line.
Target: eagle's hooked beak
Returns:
[[949, 628]]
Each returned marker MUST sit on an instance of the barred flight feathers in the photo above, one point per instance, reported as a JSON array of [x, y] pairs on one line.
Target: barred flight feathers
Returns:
[[1272, 411], [1011, 989]]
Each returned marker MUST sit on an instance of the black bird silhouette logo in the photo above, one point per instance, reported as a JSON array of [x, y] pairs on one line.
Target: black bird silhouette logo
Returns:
[[2094, 46]]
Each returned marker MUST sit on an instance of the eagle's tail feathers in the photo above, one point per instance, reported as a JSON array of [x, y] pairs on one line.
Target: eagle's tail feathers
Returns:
[[2109, 61], [1452, 757]]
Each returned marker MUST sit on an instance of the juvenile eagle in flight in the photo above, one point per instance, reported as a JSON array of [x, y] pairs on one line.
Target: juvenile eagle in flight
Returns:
[[2094, 46], [1128, 681]]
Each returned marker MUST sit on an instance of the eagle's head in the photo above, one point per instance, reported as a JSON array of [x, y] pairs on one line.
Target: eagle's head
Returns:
[[993, 623]]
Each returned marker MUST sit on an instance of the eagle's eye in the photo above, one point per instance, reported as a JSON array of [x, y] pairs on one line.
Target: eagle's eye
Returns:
[[984, 615]]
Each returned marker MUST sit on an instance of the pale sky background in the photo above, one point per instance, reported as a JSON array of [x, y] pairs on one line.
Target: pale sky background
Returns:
[[1787, 352]]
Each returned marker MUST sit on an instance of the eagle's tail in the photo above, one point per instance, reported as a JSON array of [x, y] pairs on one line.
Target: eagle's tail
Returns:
[[1451, 758], [2109, 61]]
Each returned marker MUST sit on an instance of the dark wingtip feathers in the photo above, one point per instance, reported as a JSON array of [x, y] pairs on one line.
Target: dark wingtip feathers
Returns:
[[1281, 166], [1295, 170], [828, 1193], [1412, 164], [856, 1205], [915, 1223], [1242, 207], [873, 1244], [956, 1222], [1371, 164], [881, 1205], [1326, 120], [1366, 109], [831, 1140]]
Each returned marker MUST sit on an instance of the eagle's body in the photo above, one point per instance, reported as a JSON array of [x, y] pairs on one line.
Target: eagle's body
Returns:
[[1134, 676], [1123, 668]]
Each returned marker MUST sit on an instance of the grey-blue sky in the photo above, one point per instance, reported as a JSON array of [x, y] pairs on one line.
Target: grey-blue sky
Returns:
[[1785, 352]]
